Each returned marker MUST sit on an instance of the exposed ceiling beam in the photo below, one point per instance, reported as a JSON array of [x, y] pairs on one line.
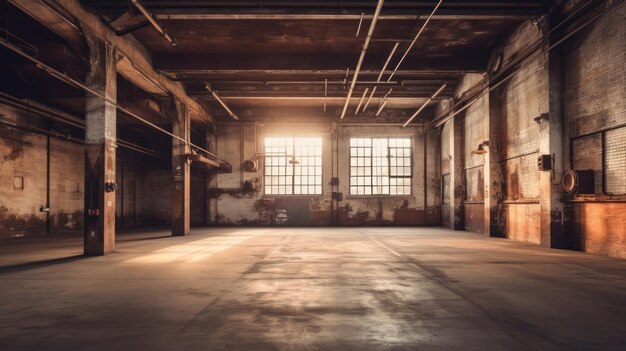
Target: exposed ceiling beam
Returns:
[[329, 10], [474, 62], [61, 23], [127, 46], [196, 15]]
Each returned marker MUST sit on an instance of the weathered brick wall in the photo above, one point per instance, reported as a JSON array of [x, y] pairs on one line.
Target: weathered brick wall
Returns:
[[230, 207], [22, 160], [157, 197], [66, 185], [475, 122], [594, 110], [521, 99], [23, 157], [446, 187], [594, 104]]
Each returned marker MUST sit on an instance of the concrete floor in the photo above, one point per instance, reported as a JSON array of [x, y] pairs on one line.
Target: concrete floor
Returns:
[[309, 289]]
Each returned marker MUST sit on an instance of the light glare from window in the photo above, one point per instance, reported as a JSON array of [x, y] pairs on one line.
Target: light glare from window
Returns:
[[293, 166], [380, 166]]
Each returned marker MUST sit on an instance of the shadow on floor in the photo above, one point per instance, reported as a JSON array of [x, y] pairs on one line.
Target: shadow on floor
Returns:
[[124, 239], [21, 267]]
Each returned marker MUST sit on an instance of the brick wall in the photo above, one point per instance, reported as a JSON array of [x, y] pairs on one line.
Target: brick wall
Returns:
[[520, 100], [231, 207], [23, 173], [475, 122], [594, 104]]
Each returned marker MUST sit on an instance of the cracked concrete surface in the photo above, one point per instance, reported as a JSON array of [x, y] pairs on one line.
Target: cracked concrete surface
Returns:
[[309, 289]]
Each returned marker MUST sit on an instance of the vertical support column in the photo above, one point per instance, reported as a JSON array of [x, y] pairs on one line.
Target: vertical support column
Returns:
[[457, 192], [181, 170], [100, 145], [551, 143], [211, 178], [494, 220]]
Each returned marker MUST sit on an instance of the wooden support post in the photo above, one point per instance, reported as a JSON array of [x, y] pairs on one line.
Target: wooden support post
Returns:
[[181, 170], [457, 189], [100, 145]]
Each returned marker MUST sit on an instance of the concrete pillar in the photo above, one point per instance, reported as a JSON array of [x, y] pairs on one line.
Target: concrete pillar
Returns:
[[100, 145], [494, 219], [457, 189], [551, 143], [211, 178], [181, 168]]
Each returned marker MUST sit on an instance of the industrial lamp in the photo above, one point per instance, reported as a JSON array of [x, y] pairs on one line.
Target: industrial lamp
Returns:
[[481, 148]]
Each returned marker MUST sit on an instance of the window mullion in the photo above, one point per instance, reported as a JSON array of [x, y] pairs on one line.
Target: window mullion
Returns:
[[293, 167], [389, 166], [371, 166]]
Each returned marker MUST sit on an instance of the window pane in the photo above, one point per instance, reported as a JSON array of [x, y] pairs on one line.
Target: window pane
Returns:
[[284, 176], [380, 166]]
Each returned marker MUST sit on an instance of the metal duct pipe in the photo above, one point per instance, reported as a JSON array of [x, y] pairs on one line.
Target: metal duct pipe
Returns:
[[219, 99], [384, 103], [361, 101], [382, 106], [414, 40], [64, 77], [380, 75], [153, 21], [424, 105], [441, 119], [363, 51]]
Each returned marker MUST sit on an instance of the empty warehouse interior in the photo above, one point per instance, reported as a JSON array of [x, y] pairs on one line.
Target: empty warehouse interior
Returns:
[[312, 175]]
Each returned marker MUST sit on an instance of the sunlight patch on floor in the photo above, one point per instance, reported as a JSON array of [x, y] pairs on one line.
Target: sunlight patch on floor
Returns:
[[194, 251]]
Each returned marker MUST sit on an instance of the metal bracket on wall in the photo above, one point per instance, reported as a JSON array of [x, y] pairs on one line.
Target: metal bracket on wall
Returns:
[[541, 118]]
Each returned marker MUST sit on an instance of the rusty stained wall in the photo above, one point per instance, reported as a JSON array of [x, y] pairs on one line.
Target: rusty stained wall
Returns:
[[23, 154], [446, 167], [475, 124], [129, 199], [595, 100], [228, 206], [520, 100], [23, 158]]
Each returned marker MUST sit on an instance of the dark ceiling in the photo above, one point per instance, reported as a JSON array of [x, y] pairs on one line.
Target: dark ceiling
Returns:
[[266, 55]]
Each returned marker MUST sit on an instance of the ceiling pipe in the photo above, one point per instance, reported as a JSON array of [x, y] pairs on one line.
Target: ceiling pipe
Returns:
[[382, 106], [414, 40], [358, 29], [325, 92], [153, 21], [308, 82], [424, 105], [380, 75], [219, 99], [448, 115], [64, 77], [361, 101], [363, 51]]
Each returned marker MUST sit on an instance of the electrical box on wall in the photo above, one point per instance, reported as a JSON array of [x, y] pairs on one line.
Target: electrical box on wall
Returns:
[[337, 196], [545, 162]]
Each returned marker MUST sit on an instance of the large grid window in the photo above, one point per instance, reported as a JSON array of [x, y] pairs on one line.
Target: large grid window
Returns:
[[380, 166], [293, 166]]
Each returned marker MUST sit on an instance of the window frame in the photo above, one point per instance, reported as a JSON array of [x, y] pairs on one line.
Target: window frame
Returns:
[[293, 174], [389, 176]]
